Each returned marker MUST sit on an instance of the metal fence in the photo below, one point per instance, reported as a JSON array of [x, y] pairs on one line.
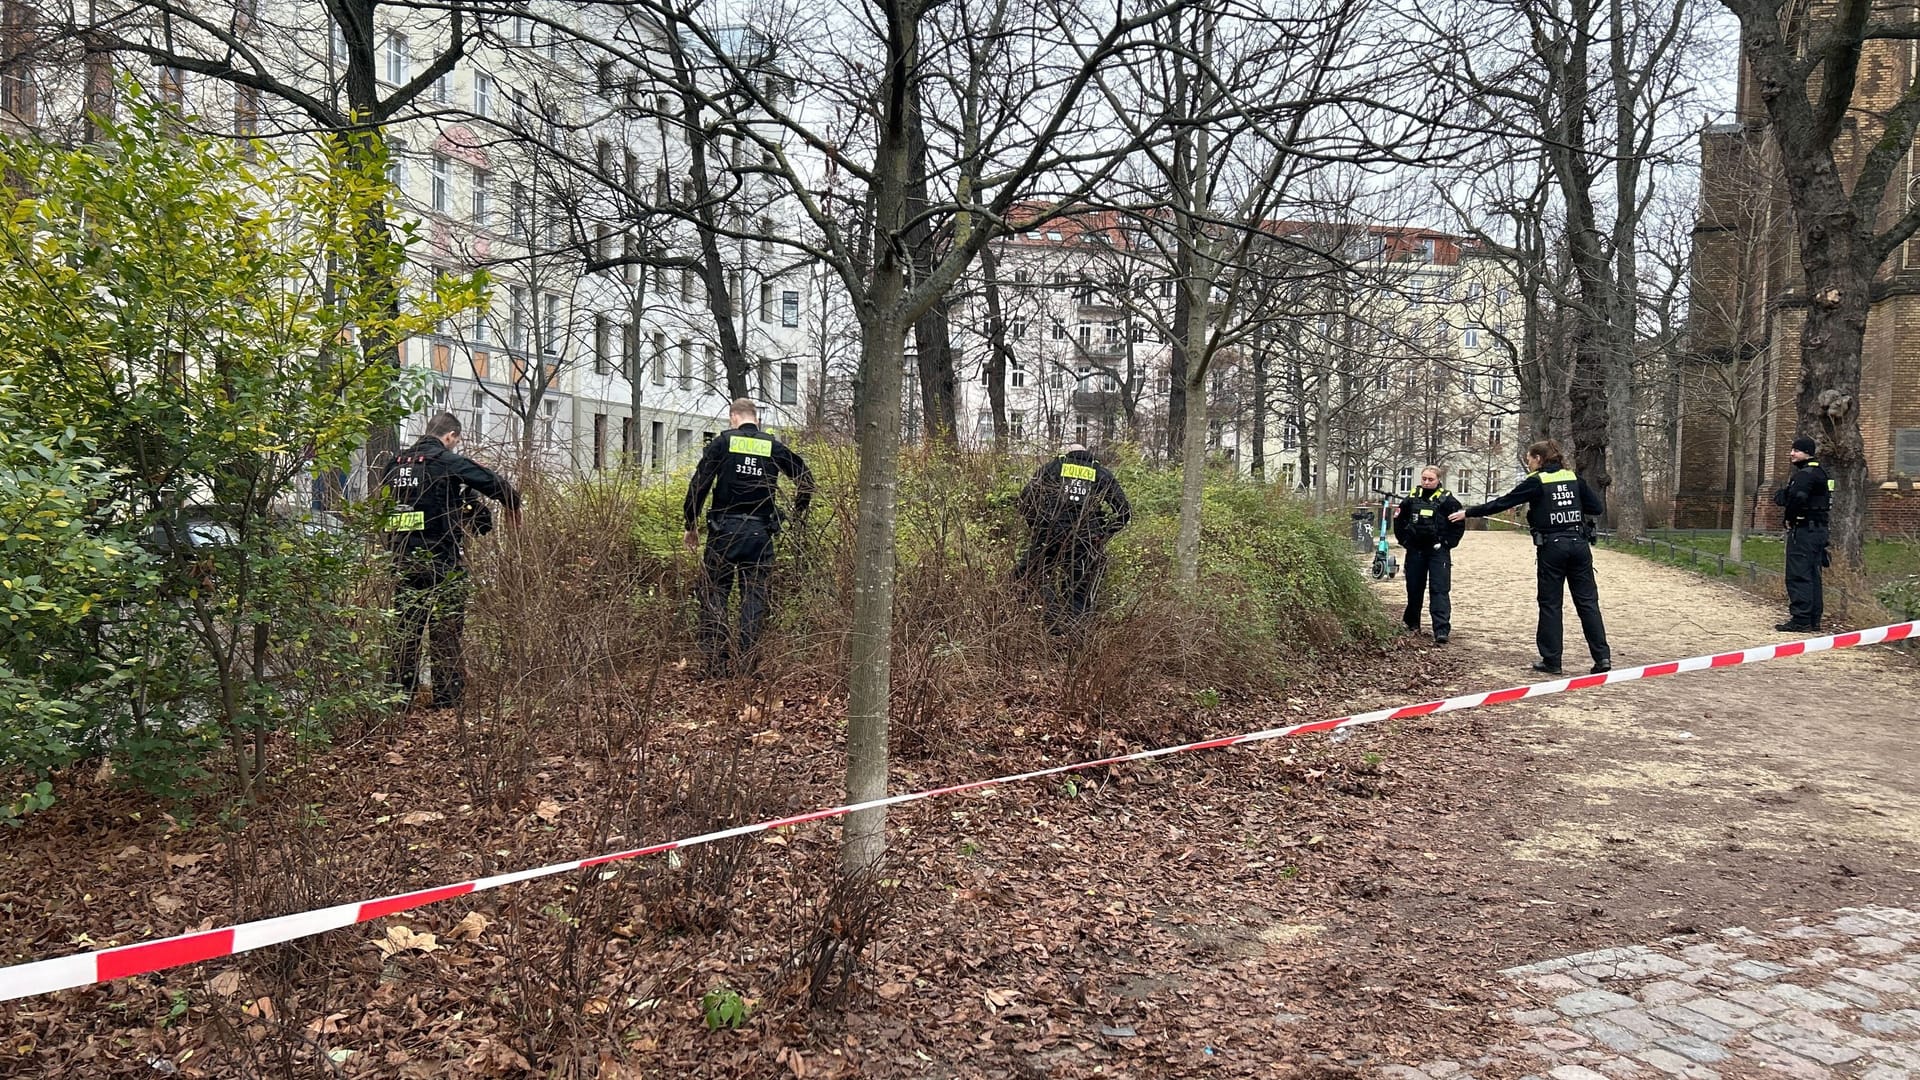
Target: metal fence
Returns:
[[1742, 571]]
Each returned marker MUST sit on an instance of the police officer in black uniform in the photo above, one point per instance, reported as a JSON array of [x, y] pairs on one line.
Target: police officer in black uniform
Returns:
[[1424, 526], [742, 467], [1558, 507], [433, 511], [1073, 506], [1805, 503]]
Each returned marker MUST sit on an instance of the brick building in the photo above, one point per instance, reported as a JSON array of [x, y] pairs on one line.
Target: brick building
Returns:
[[1748, 306]]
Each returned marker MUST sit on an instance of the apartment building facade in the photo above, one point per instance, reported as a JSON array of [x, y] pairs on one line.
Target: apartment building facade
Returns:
[[1348, 377], [596, 345]]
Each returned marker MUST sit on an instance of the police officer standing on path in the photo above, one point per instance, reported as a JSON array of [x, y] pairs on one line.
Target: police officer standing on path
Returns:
[[432, 489], [1558, 506], [1073, 506], [1426, 529], [1805, 500], [742, 467]]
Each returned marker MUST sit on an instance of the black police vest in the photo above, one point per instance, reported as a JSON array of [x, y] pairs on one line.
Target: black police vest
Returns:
[[1425, 517], [748, 477], [1820, 503], [1557, 510]]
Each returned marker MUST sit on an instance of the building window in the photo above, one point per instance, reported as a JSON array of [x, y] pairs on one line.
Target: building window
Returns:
[[1056, 379], [442, 184], [482, 212], [1499, 386], [1466, 433], [1290, 435], [711, 357], [516, 317], [517, 210], [1059, 330], [397, 62], [1466, 383], [789, 384], [628, 451], [659, 359], [602, 345], [1470, 338], [658, 443], [1406, 478], [475, 422], [397, 165], [549, 412], [1493, 433], [482, 94], [1466, 484], [1017, 425], [790, 308], [480, 318], [686, 364], [1017, 374], [553, 328], [766, 301], [599, 440], [686, 284], [1017, 329]]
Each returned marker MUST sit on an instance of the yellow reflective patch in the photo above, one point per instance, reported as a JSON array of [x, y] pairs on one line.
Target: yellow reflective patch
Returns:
[[1556, 477], [1426, 513], [1077, 472], [746, 444], [1829, 485], [407, 521]]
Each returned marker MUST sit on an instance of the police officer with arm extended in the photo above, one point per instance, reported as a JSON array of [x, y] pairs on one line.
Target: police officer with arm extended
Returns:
[[1424, 526], [1558, 505], [1072, 507], [1806, 502], [433, 488], [742, 467]]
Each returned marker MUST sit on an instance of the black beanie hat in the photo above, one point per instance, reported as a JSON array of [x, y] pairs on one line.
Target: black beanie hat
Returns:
[[1805, 445]]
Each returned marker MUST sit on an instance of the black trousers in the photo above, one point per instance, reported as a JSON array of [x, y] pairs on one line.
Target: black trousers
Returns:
[[1430, 573], [1064, 569], [1806, 555], [431, 597], [1568, 561], [739, 552]]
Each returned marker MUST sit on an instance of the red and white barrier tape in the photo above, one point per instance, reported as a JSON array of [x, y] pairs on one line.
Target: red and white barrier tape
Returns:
[[84, 969]]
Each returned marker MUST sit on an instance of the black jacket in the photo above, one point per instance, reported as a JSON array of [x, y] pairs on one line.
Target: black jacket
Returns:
[[1074, 495], [1808, 496], [742, 468], [430, 487], [1421, 522], [1557, 502]]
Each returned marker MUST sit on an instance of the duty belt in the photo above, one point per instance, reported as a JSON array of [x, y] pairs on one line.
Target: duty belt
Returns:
[[1805, 522], [1542, 538]]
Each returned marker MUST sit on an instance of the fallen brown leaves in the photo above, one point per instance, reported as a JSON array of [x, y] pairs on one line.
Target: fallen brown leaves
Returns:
[[1225, 913]]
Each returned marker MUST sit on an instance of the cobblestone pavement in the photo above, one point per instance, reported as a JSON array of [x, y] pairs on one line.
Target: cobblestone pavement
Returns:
[[1835, 997]]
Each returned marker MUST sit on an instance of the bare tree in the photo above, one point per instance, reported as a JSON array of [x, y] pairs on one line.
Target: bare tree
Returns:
[[1840, 159], [269, 52]]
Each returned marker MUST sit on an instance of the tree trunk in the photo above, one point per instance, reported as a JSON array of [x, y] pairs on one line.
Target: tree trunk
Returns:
[[1828, 402], [1177, 364], [932, 336], [1259, 467], [1322, 439], [1627, 503], [938, 391], [870, 639], [997, 351], [1193, 451], [1741, 448]]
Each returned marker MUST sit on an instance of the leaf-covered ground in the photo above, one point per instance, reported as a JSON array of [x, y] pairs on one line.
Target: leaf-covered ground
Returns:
[[1303, 908]]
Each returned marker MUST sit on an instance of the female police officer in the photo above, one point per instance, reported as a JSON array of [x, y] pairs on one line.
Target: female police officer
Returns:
[[1558, 504]]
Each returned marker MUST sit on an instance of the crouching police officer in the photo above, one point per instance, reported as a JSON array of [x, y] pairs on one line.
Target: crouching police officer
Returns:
[[433, 511], [1072, 507], [1806, 501], [1558, 506], [1425, 527], [742, 467]]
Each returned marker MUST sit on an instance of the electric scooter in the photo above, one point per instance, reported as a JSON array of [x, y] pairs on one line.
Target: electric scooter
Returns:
[[1385, 566]]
